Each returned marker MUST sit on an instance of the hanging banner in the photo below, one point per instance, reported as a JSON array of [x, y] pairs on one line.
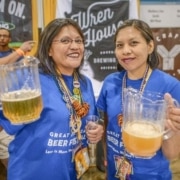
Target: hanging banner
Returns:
[[16, 15], [99, 21], [164, 19]]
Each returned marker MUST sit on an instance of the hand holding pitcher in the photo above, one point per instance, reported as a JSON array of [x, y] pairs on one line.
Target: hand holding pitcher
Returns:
[[144, 118]]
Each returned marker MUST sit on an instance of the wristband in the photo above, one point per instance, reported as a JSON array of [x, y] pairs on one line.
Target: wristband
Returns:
[[20, 52]]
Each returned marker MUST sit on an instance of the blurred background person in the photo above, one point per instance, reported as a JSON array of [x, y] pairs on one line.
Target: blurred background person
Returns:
[[9, 55]]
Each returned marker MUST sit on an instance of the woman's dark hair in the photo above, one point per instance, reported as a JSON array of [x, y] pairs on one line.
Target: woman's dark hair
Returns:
[[146, 32], [47, 64]]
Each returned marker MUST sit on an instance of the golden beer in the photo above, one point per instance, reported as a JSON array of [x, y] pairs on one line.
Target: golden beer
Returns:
[[22, 106], [142, 138]]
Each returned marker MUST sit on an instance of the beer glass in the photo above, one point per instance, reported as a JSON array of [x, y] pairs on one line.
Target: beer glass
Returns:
[[20, 91], [143, 127], [91, 122]]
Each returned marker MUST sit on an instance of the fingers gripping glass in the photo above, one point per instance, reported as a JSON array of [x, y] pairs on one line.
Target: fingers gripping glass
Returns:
[[68, 41]]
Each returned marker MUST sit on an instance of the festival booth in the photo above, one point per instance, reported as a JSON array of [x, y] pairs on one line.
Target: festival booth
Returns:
[[99, 21]]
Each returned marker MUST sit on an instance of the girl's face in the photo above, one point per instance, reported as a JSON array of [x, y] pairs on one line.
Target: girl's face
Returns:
[[132, 50], [67, 50]]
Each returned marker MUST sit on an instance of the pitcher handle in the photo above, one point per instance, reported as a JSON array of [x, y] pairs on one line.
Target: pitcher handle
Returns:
[[173, 103], [168, 134]]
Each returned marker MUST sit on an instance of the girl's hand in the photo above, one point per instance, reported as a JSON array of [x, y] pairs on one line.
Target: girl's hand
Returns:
[[173, 120]]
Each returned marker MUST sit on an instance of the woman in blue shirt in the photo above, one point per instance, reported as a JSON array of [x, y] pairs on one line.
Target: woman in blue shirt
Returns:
[[137, 62], [47, 148]]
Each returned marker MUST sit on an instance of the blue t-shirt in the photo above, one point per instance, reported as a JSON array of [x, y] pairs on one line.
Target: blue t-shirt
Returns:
[[6, 53], [43, 149], [110, 101]]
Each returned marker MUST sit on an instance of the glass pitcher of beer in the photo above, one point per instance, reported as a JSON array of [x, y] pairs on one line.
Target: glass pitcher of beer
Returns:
[[20, 91], [144, 116]]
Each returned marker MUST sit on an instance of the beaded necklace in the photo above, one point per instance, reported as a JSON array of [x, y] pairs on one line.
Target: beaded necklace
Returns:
[[74, 103]]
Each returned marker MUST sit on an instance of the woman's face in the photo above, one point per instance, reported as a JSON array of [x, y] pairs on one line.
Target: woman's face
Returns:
[[67, 50], [132, 50]]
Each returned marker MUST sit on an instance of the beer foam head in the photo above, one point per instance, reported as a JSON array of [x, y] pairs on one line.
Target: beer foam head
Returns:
[[143, 129], [22, 94]]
